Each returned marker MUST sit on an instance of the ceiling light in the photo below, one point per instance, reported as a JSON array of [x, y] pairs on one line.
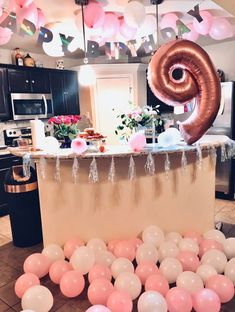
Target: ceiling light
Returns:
[[86, 74]]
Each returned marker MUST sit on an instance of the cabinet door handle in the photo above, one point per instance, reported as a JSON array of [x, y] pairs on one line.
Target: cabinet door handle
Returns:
[[33, 81]]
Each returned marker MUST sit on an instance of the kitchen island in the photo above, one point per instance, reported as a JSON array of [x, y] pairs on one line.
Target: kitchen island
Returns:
[[177, 195]]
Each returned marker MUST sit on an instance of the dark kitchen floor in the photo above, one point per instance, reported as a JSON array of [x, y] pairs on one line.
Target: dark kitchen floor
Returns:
[[12, 258]]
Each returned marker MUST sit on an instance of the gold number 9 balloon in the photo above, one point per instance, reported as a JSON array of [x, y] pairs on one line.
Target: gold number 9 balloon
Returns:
[[198, 80]]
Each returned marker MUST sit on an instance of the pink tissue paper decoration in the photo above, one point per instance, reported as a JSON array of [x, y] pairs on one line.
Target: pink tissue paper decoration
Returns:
[[78, 145], [137, 141]]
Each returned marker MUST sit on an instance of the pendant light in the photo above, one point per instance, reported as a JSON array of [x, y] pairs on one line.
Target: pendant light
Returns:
[[86, 76], [156, 3]]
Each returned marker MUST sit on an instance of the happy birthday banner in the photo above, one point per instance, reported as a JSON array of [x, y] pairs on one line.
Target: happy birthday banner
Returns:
[[113, 50]]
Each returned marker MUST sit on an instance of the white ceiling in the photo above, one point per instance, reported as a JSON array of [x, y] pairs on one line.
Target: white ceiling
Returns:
[[67, 10]]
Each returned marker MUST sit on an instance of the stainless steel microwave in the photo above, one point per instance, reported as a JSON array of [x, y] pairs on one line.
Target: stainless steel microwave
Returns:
[[31, 105]]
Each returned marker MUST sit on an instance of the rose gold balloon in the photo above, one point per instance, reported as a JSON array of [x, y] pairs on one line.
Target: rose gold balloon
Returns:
[[199, 79]]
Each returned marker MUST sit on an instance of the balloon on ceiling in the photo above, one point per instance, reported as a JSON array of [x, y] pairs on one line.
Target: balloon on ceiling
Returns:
[[197, 79]]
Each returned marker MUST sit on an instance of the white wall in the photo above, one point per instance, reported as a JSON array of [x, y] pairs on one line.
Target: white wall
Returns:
[[46, 60], [223, 57]]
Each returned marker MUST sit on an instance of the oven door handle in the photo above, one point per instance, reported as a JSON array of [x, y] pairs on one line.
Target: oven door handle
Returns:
[[45, 104]]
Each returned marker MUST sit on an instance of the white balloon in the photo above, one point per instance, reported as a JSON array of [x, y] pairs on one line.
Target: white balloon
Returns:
[[151, 301], [229, 247], [205, 271], [216, 235], [37, 298], [146, 252], [171, 268], [175, 237], [121, 265], [148, 27], [154, 235], [167, 249], [83, 259], [104, 257], [51, 144], [53, 252], [189, 244], [229, 270], [130, 283], [169, 137], [96, 244], [215, 258], [189, 281], [134, 14]]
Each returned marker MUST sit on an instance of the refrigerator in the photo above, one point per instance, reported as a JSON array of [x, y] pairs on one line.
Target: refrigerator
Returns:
[[224, 124]]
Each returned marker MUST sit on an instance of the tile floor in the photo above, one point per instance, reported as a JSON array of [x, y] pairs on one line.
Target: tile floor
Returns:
[[12, 258]]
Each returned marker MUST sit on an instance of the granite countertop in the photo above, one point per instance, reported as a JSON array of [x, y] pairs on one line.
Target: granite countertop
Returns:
[[205, 143]]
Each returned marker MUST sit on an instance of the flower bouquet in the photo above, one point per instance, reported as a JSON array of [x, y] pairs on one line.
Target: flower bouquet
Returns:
[[136, 119], [65, 128]]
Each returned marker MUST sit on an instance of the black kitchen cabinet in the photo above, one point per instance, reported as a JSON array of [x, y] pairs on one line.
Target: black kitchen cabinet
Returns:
[[4, 108], [28, 81], [6, 162], [64, 88]]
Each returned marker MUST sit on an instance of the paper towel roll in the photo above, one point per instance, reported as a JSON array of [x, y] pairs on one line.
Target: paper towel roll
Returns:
[[38, 133]]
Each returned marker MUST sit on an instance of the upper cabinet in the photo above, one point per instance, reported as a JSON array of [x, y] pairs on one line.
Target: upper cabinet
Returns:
[[4, 108], [28, 81], [64, 88]]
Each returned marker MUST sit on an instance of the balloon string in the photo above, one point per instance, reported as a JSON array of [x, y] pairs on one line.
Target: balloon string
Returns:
[[157, 25]]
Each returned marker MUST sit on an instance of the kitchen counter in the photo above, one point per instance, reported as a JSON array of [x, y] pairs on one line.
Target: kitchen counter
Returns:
[[205, 143], [178, 195]]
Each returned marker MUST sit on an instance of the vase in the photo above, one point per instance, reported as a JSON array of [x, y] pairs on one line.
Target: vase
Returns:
[[66, 143]]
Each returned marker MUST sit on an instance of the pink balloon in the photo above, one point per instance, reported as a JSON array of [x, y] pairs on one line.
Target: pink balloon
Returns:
[[222, 285], [78, 145], [204, 27], [137, 141], [157, 282], [11, 6], [41, 19], [72, 283], [23, 3], [221, 29], [145, 269], [125, 249], [30, 13], [205, 300], [112, 244], [37, 264], [99, 271], [94, 15], [98, 308], [71, 245], [192, 234], [136, 242], [5, 35], [57, 270], [111, 25], [208, 244], [169, 20], [179, 300], [126, 31], [99, 291], [120, 301], [24, 282], [189, 260]]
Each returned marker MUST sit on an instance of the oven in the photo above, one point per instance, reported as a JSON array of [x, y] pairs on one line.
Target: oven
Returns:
[[31, 105]]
